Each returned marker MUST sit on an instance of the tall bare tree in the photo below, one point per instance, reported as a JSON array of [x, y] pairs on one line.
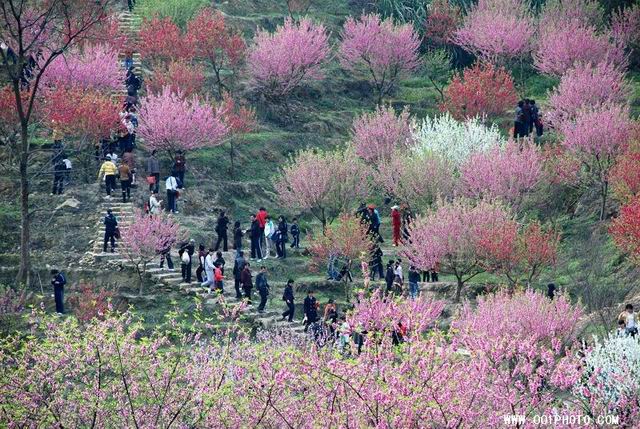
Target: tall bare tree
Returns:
[[33, 33]]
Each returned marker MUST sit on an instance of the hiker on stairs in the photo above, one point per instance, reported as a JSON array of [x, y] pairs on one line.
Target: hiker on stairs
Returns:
[[263, 288], [153, 170], [208, 269], [288, 298], [109, 170], [246, 279], [125, 180], [110, 228], [238, 266]]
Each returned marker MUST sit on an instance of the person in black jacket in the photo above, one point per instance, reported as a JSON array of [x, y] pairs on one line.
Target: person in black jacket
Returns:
[[238, 266], [263, 288], [376, 264], [190, 248], [255, 235], [59, 170], [247, 284], [221, 229], [237, 237], [389, 276], [220, 261], [58, 281], [110, 225], [288, 298], [295, 234], [310, 310], [282, 238]]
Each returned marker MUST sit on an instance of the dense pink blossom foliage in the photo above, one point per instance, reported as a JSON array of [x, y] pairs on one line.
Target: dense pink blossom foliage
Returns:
[[96, 67], [451, 237], [325, 184], [586, 86], [563, 46], [497, 30], [169, 122], [377, 135], [625, 27], [415, 180], [560, 12], [148, 236], [379, 50], [503, 172], [279, 62], [179, 76]]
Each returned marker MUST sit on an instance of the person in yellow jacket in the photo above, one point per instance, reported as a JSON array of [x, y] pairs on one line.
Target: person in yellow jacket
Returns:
[[109, 169]]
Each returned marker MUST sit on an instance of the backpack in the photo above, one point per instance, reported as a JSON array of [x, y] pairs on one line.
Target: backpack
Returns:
[[185, 257]]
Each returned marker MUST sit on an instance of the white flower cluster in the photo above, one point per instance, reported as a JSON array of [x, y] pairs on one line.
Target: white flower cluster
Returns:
[[453, 140]]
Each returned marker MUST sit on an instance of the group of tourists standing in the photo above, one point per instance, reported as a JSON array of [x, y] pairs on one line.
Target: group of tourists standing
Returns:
[[527, 118]]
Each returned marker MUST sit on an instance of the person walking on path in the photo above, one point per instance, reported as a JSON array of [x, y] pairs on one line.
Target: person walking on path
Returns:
[[153, 170], [255, 234], [237, 237], [261, 217], [155, 205], [269, 234], [389, 276], [246, 278], [166, 254], [295, 234], [109, 170], [263, 288], [288, 298], [396, 223], [310, 307], [282, 238], [186, 255], [222, 224], [376, 264], [125, 180], [220, 260], [414, 279], [59, 172], [238, 266], [208, 269], [202, 254], [58, 281], [171, 184], [180, 166], [218, 277], [110, 227]]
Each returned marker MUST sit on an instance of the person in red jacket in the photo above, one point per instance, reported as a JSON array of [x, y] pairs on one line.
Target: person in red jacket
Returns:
[[396, 222], [218, 277], [261, 217]]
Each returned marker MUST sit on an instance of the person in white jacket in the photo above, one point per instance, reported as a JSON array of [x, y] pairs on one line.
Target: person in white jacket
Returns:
[[154, 204], [171, 184], [269, 230], [209, 268]]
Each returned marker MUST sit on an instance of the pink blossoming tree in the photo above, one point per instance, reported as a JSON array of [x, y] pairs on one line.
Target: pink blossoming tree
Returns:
[[375, 136], [497, 31], [96, 67], [169, 122], [596, 138], [324, 184], [586, 86], [451, 237], [280, 62], [506, 172], [379, 51], [179, 76], [147, 237]]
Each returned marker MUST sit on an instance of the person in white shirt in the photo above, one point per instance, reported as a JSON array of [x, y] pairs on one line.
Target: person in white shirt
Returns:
[[269, 230], [154, 204], [398, 271], [171, 184], [209, 268], [629, 319]]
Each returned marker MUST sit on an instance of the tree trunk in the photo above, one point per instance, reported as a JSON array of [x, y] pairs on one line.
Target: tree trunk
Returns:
[[459, 287], [231, 155], [24, 273], [604, 192]]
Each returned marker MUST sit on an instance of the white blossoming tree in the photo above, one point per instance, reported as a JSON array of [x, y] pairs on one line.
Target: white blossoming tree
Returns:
[[453, 140]]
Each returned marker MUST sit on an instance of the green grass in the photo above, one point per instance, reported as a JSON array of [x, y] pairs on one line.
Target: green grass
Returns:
[[181, 11]]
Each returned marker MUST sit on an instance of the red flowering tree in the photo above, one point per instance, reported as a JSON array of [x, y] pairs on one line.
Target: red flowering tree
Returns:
[[497, 31], [377, 135], [626, 229], [239, 120], [280, 62], [441, 23], [521, 261], [455, 237], [147, 237], [170, 122], [587, 86], [379, 51], [597, 138], [481, 90], [160, 39], [37, 34], [625, 176], [222, 48], [179, 76], [506, 172], [324, 184]]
